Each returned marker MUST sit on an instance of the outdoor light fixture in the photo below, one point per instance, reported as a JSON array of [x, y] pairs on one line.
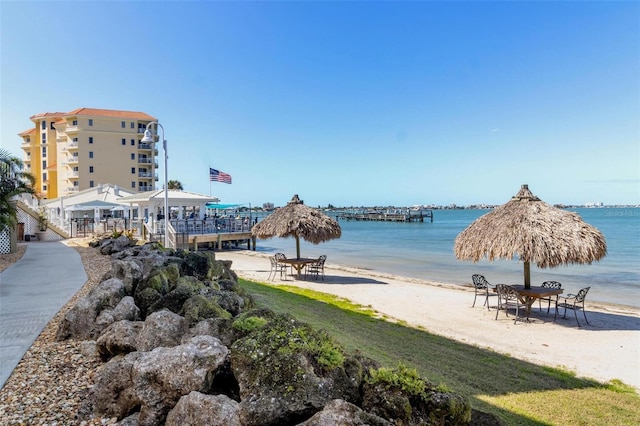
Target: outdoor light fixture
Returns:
[[148, 138]]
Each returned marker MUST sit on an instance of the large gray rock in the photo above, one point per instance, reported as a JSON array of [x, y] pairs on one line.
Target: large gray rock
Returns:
[[153, 382], [154, 286], [113, 393], [219, 328], [80, 321], [340, 412], [126, 309], [286, 372], [121, 337], [162, 328], [430, 407], [198, 409], [178, 291], [130, 271], [111, 245], [164, 375]]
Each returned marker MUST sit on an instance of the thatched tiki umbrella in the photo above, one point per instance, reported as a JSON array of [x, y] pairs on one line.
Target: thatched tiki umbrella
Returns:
[[532, 230], [297, 220]]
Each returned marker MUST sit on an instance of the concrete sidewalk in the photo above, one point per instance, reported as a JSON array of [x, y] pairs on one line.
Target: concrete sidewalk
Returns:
[[32, 291]]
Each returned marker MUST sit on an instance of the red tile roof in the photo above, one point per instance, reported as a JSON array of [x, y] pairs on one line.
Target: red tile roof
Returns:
[[96, 112], [27, 132], [111, 113], [48, 114]]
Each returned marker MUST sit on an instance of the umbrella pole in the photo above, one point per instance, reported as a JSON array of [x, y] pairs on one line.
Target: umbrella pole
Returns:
[[297, 247], [527, 275]]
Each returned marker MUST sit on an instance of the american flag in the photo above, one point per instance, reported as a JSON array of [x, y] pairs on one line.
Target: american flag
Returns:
[[218, 176]]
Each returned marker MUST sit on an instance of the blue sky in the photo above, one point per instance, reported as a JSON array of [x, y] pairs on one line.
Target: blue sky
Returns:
[[350, 103]]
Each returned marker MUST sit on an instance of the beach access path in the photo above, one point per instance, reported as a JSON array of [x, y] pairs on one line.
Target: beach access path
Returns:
[[608, 348]]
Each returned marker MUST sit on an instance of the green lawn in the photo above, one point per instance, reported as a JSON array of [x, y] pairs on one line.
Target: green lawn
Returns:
[[518, 392]]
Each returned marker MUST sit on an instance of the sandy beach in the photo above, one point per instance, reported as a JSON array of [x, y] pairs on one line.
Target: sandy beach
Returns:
[[608, 348]]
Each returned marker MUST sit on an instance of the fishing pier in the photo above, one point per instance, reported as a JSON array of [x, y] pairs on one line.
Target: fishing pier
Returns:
[[395, 215]]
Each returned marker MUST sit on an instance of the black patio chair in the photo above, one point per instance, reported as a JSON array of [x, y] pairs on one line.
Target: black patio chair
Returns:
[[549, 284], [283, 266], [574, 302], [482, 286], [317, 268], [508, 298]]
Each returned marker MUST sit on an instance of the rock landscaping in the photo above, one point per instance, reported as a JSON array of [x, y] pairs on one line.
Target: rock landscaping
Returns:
[[182, 344]]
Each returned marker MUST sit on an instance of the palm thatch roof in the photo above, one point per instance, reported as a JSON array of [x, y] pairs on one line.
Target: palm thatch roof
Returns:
[[299, 221], [532, 230]]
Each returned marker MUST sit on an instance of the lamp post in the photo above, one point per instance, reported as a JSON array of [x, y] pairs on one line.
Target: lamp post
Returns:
[[148, 138]]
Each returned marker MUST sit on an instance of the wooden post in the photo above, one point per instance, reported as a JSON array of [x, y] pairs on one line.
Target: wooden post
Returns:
[[195, 243], [527, 275]]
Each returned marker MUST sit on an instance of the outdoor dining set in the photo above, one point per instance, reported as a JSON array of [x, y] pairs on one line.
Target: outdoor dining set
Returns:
[[521, 298], [297, 267]]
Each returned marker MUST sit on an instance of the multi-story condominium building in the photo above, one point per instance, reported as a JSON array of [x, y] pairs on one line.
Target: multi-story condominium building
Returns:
[[71, 151]]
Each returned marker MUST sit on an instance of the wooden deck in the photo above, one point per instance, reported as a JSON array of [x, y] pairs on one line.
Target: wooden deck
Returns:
[[389, 217], [216, 241]]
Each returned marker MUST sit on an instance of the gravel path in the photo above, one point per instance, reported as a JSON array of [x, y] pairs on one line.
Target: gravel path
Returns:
[[51, 380]]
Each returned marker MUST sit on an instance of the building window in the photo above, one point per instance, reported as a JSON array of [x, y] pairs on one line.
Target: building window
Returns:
[[90, 139], [44, 137], [44, 177], [76, 184], [133, 125], [43, 125], [74, 123], [133, 170], [90, 154], [133, 142], [44, 164], [123, 124], [52, 126], [133, 185], [90, 169], [91, 122], [124, 141], [44, 151], [133, 156], [75, 169], [75, 140], [90, 184], [44, 187]]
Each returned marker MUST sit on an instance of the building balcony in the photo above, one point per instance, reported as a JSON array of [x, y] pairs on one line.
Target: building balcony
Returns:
[[72, 160], [73, 175], [71, 129], [145, 146], [72, 146], [145, 188], [147, 175], [73, 189], [145, 160]]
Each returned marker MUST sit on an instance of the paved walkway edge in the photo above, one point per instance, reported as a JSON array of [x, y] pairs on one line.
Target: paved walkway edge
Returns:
[[32, 292]]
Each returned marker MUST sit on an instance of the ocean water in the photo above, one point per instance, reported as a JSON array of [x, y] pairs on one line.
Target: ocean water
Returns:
[[425, 250]]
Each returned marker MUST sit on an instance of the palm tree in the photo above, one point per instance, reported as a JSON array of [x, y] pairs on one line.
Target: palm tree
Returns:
[[175, 184], [13, 181]]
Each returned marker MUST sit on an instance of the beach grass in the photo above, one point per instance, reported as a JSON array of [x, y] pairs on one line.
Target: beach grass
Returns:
[[518, 392]]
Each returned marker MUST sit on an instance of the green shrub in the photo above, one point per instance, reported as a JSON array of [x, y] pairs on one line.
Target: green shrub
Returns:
[[401, 377], [248, 324]]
